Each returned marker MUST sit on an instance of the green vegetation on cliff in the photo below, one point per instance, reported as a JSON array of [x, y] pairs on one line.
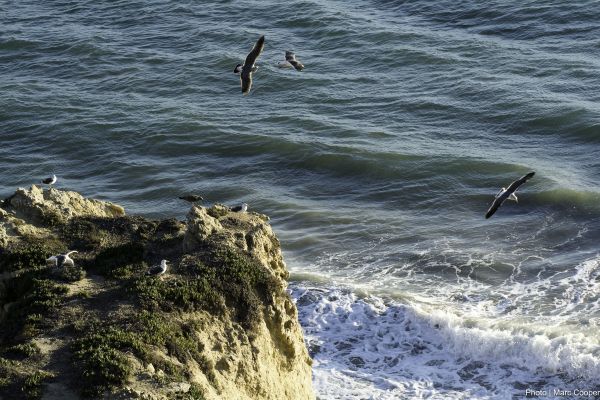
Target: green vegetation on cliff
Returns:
[[104, 323]]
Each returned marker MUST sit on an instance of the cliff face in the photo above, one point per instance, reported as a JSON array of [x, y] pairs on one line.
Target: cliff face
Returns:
[[218, 325]]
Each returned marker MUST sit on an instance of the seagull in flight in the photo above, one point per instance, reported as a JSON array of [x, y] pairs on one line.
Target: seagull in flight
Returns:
[[62, 259], [158, 269], [291, 61], [245, 70], [507, 194]]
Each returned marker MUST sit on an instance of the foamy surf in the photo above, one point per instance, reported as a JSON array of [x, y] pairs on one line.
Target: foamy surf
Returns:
[[371, 348]]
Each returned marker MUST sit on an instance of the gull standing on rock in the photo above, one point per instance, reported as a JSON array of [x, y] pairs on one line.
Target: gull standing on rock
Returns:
[[245, 70], [291, 61], [49, 181], [62, 259], [241, 208], [507, 194], [158, 269]]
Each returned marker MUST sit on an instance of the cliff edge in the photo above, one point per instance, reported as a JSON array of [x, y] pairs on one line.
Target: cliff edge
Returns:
[[218, 325]]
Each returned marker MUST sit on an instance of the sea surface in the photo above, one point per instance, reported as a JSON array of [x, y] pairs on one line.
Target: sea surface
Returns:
[[376, 164]]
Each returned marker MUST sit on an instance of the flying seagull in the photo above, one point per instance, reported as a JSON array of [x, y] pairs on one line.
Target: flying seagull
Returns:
[[50, 181], [192, 198], [241, 208], [158, 269], [62, 259], [291, 61], [245, 70], [507, 194]]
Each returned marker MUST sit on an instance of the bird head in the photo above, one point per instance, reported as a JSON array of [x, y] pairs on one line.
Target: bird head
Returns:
[[238, 68]]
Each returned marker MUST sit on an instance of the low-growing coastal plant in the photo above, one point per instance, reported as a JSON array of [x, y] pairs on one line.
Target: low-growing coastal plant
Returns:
[[129, 315], [101, 352], [120, 262], [27, 256], [22, 350], [32, 296]]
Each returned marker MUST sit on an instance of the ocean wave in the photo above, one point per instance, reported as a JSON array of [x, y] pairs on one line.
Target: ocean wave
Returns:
[[376, 349]]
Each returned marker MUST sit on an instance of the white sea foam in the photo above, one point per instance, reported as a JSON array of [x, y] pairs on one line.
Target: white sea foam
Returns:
[[371, 348]]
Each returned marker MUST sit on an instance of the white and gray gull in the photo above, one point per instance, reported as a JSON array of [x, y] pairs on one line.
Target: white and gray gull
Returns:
[[245, 70], [507, 194], [49, 181], [291, 61], [158, 269], [62, 259], [241, 208]]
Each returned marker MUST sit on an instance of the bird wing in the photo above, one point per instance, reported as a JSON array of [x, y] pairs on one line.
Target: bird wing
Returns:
[[60, 260], [154, 270], [297, 64], [255, 52], [291, 58], [496, 204], [515, 185], [246, 81]]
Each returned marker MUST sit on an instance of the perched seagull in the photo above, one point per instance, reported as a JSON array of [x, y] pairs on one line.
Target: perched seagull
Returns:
[[158, 269], [50, 181], [62, 259], [507, 194], [192, 198], [241, 208], [245, 70], [291, 61]]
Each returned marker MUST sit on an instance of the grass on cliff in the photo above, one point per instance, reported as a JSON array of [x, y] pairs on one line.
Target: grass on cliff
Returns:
[[31, 255], [222, 281], [100, 352], [19, 381], [31, 297]]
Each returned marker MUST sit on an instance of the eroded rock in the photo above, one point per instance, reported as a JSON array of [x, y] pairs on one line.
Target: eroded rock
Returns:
[[229, 337]]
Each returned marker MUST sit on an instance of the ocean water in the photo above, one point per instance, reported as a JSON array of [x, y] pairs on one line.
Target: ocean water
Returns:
[[376, 164]]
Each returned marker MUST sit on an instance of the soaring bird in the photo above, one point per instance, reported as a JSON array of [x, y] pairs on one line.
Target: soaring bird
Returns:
[[192, 198], [245, 70], [507, 194], [49, 181], [291, 61], [158, 269], [241, 208], [62, 259]]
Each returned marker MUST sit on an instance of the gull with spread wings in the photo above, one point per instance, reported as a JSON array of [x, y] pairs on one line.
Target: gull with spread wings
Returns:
[[507, 194], [245, 70], [291, 61]]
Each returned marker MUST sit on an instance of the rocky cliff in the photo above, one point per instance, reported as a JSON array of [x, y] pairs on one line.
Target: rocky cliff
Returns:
[[218, 325]]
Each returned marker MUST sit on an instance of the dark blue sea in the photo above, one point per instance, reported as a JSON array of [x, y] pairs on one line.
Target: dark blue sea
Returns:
[[376, 164]]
